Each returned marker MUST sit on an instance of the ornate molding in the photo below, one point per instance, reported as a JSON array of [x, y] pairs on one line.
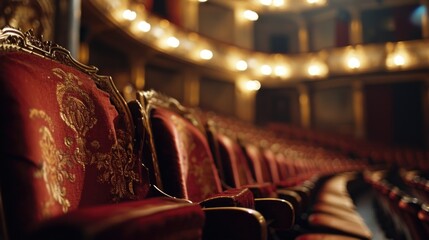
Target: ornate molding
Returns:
[[12, 39]]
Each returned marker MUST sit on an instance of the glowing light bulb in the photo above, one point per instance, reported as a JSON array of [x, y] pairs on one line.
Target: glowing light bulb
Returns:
[[266, 2], [280, 71], [250, 15], [206, 54], [399, 60], [312, 1], [252, 85], [278, 3], [144, 26], [314, 70], [241, 65], [266, 70], [129, 15], [173, 42], [353, 62]]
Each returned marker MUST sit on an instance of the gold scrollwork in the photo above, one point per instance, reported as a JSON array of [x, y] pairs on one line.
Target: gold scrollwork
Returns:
[[201, 166], [55, 168], [77, 111]]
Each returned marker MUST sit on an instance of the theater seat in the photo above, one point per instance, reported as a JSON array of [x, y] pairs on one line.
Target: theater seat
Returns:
[[187, 167], [69, 168]]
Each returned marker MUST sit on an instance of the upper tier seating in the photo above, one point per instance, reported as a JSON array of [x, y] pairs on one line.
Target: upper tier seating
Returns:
[[69, 168]]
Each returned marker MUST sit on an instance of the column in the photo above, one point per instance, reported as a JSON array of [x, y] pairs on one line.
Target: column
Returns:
[[138, 72], [243, 30], [190, 17], [244, 103], [358, 109], [304, 105], [192, 88], [67, 25], [304, 45], [355, 26]]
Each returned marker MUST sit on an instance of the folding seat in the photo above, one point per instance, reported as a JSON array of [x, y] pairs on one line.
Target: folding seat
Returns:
[[423, 216], [410, 208], [237, 172], [236, 166], [185, 164], [69, 168]]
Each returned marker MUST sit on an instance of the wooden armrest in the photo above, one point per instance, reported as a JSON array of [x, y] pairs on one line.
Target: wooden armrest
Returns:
[[234, 223], [279, 213]]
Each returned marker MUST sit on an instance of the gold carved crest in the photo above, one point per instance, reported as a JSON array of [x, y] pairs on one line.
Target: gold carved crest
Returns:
[[77, 111]]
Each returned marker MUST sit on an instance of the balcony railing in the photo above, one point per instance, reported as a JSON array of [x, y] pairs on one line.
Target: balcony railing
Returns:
[[164, 36]]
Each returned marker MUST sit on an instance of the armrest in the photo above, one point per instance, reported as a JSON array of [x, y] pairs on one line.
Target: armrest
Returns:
[[261, 190], [279, 213], [157, 218], [293, 198], [230, 198], [234, 223]]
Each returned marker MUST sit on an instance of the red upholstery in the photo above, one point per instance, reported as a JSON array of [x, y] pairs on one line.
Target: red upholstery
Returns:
[[64, 138], [184, 157], [66, 146], [157, 218], [237, 170]]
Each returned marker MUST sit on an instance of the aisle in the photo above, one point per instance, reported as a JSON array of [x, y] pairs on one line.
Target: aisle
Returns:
[[366, 210]]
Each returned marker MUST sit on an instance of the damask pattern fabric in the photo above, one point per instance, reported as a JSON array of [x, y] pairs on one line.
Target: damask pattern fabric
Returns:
[[184, 157], [63, 154]]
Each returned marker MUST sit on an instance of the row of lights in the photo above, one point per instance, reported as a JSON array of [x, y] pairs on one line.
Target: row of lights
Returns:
[[172, 41], [315, 69], [280, 3]]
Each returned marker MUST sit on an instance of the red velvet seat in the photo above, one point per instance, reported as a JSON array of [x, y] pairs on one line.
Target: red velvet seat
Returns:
[[187, 167], [69, 169]]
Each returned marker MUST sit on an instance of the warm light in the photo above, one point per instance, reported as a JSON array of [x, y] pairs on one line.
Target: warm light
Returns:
[[129, 15], [266, 2], [157, 31], [241, 65], [266, 70], [252, 85], [399, 60], [144, 26], [353, 63], [312, 1], [280, 71], [202, 0], [206, 54], [250, 15], [278, 3], [173, 42], [314, 70]]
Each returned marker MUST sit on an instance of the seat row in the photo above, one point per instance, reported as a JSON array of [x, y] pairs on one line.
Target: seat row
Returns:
[[403, 215], [78, 162], [376, 153]]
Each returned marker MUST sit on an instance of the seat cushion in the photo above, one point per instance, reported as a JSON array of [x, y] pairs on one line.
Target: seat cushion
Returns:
[[156, 218]]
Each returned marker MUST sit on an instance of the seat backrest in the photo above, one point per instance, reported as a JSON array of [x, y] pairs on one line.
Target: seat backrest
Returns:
[[184, 159], [237, 172], [258, 163], [66, 135]]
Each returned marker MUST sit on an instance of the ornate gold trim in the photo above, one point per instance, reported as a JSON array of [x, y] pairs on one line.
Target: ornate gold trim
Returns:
[[117, 165], [12, 39]]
